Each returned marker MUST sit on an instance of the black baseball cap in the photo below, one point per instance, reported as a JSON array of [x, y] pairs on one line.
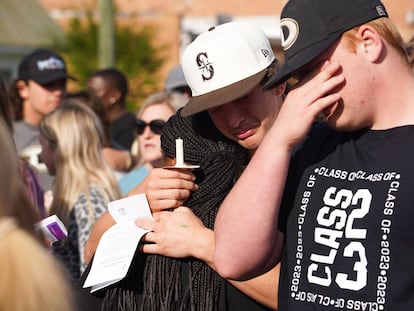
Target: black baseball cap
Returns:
[[43, 66], [309, 27]]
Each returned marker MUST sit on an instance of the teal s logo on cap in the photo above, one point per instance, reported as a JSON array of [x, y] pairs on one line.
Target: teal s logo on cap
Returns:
[[289, 32], [205, 65]]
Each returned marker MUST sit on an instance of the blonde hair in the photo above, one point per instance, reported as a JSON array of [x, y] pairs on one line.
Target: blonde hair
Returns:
[[77, 135], [386, 29], [30, 274], [29, 271], [171, 99]]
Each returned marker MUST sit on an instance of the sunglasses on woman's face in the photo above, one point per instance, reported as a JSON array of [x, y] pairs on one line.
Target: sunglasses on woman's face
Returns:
[[156, 126]]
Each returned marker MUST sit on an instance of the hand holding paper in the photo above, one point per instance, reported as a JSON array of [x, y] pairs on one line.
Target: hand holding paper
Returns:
[[118, 244]]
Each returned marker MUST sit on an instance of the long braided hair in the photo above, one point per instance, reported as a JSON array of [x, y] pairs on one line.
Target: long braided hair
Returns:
[[189, 284]]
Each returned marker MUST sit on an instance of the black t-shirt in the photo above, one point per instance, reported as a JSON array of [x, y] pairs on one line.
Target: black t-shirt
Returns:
[[348, 214], [123, 130], [232, 299]]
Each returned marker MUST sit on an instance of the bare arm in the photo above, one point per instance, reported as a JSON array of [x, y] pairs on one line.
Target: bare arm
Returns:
[[181, 234], [251, 210], [101, 225], [164, 189]]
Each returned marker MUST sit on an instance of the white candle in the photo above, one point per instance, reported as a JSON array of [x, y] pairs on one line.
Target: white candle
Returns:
[[179, 152]]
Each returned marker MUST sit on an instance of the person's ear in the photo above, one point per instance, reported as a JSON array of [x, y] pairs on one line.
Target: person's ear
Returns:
[[280, 89], [371, 45], [23, 89], [114, 96]]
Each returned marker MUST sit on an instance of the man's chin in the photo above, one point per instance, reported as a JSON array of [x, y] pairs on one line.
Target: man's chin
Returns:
[[249, 143]]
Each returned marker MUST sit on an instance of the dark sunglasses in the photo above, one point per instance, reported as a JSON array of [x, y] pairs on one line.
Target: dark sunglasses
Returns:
[[156, 126]]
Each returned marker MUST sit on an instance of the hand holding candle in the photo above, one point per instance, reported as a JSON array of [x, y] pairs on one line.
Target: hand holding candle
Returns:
[[179, 156]]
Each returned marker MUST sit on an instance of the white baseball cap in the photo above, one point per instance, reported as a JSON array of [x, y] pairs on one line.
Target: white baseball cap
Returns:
[[225, 63]]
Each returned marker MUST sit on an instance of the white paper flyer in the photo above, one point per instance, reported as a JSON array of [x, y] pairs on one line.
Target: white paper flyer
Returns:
[[117, 246]]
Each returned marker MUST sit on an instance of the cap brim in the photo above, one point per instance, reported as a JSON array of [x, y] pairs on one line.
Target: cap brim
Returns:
[[53, 77], [298, 60], [222, 96]]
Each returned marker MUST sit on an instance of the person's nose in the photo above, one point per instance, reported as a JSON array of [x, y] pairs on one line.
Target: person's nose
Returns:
[[147, 132], [61, 91], [234, 114]]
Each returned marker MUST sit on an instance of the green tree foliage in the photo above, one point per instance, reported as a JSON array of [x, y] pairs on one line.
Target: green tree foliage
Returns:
[[136, 56]]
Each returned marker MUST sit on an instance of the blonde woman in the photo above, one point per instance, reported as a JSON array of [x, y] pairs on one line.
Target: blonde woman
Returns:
[[71, 139], [151, 118], [29, 272]]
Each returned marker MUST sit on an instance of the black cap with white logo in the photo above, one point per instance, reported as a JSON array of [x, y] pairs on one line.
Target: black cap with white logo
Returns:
[[309, 27], [43, 66]]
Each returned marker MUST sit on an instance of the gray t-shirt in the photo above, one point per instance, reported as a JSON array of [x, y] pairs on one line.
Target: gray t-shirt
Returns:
[[26, 138]]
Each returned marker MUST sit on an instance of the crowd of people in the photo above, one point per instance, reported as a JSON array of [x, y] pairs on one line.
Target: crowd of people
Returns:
[[300, 198]]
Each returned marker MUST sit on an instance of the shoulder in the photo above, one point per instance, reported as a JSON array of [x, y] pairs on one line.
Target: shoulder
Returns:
[[320, 141], [18, 124], [321, 128], [320, 131], [93, 196], [136, 172], [132, 178], [93, 202], [22, 125], [26, 137], [126, 119], [21, 128]]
